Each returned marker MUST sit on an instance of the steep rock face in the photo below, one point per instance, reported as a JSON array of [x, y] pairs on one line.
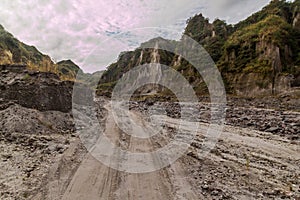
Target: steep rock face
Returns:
[[33, 80], [271, 41], [132, 59], [68, 70], [6, 57], [296, 21], [296, 14], [38, 90], [12, 51], [211, 36], [260, 53], [268, 48], [257, 84]]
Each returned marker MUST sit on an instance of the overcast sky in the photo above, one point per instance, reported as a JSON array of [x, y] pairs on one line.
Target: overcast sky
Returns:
[[93, 32]]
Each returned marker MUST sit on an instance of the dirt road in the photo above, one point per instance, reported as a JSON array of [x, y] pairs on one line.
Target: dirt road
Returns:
[[94, 180], [245, 164]]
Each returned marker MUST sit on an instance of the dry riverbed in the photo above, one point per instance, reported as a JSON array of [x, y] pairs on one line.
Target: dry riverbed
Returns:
[[245, 164]]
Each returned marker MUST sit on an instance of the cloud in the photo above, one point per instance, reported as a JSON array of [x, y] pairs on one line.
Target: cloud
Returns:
[[233, 10], [93, 32]]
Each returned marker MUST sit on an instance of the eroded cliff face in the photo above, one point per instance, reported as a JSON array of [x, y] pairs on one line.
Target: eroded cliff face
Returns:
[[258, 85], [6, 57], [128, 61], [271, 52], [296, 15], [42, 91], [296, 21], [14, 52], [259, 55]]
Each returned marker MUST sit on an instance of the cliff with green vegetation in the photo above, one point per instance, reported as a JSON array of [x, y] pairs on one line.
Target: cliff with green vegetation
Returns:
[[68, 70], [14, 52], [257, 56]]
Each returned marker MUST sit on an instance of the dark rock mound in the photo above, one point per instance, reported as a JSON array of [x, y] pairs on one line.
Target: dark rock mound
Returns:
[[43, 91]]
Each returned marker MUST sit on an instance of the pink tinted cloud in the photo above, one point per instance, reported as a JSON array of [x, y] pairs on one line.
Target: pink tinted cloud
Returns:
[[72, 29]]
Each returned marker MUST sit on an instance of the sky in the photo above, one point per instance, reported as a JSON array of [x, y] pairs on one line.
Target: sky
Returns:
[[92, 33]]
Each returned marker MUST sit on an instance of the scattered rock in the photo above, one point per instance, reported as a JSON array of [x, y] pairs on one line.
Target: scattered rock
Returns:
[[273, 129]]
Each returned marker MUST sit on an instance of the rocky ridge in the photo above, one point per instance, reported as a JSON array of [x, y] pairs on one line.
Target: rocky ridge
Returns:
[[258, 56]]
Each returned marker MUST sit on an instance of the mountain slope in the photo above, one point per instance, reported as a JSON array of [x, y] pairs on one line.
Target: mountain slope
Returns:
[[68, 69], [14, 52], [258, 56]]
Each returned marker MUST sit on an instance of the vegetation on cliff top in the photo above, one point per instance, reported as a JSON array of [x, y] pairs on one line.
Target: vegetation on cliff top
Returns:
[[12, 51], [253, 48], [266, 43]]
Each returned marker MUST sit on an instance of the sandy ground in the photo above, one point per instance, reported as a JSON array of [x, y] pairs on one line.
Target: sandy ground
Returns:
[[244, 164], [94, 180]]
